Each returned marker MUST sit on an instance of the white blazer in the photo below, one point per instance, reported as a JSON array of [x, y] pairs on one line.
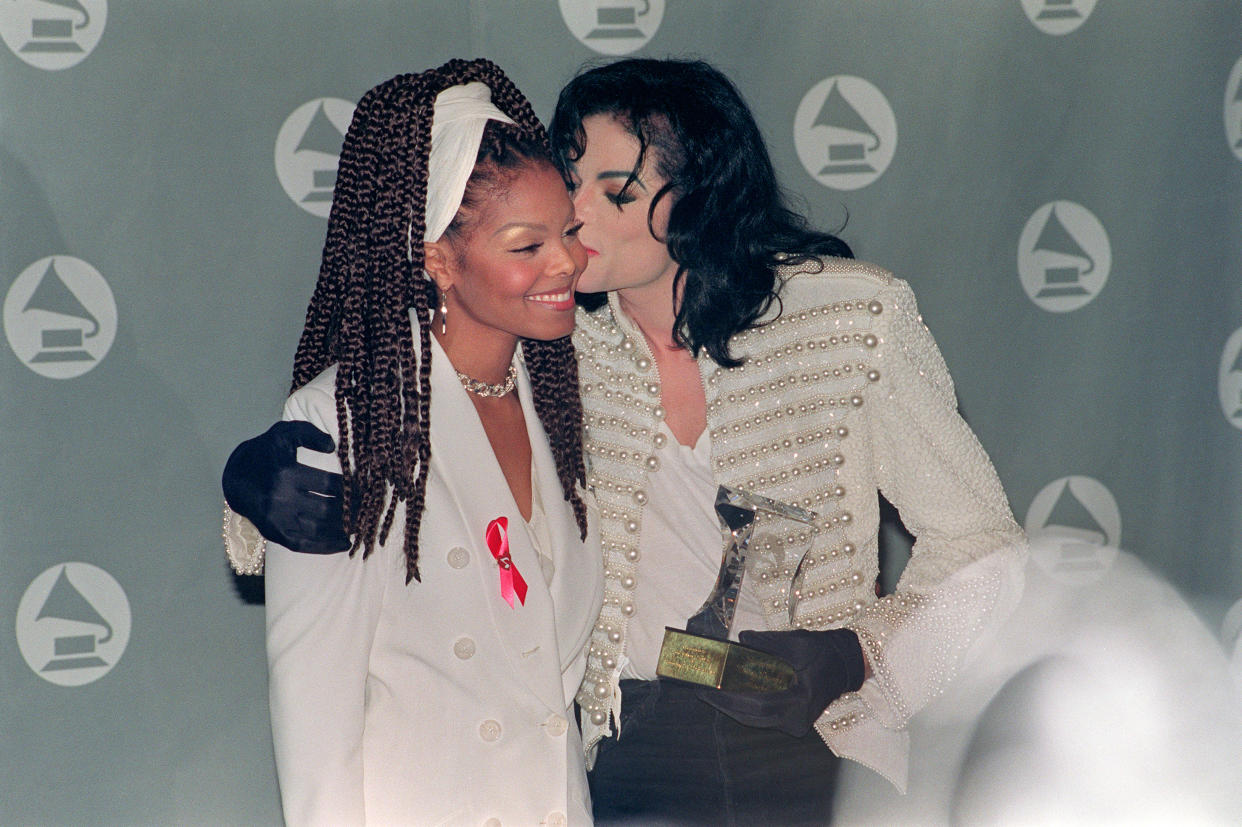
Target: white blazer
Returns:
[[436, 702]]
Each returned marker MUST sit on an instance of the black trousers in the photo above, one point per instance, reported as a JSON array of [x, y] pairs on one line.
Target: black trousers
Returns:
[[680, 761]]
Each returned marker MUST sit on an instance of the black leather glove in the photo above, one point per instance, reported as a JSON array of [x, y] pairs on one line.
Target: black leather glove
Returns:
[[826, 665], [290, 503]]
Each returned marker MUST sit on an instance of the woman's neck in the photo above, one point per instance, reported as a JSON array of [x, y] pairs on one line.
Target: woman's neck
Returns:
[[480, 354]]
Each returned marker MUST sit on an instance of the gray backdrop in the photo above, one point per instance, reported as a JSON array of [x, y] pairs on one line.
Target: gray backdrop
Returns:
[[1058, 179]]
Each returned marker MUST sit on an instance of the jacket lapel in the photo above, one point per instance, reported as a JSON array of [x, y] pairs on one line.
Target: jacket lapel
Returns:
[[462, 458], [578, 586]]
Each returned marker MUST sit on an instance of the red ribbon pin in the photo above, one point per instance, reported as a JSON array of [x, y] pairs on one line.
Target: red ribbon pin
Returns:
[[511, 582]]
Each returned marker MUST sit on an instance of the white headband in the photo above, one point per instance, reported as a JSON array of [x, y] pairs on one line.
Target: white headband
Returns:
[[457, 124]]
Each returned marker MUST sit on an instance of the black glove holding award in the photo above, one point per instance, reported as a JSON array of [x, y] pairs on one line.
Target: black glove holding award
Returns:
[[826, 665], [292, 504]]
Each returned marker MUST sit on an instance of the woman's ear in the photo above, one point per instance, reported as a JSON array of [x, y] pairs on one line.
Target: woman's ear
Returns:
[[438, 263]]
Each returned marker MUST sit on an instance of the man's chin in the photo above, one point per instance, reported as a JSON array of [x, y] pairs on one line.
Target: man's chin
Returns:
[[586, 285]]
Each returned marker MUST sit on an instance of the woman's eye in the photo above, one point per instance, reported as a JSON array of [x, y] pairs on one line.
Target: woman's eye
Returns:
[[572, 232], [619, 199], [529, 248]]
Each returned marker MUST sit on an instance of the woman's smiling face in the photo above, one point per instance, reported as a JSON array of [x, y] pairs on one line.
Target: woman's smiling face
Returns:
[[517, 267]]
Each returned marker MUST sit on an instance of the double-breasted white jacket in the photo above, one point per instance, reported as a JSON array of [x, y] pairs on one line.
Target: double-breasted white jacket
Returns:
[[842, 396], [436, 702]]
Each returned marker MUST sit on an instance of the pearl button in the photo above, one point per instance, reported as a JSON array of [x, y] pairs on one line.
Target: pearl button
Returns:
[[598, 718], [640, 497], [489, 730], [464, 648], [556, 726], [458, 557], [875, 308], [642, 363], [600, 691]]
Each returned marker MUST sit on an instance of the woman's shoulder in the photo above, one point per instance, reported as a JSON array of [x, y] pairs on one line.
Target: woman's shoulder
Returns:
[[318, 396]]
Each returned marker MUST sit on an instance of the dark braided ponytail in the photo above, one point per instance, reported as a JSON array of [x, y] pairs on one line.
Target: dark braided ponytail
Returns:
[[370, 279]]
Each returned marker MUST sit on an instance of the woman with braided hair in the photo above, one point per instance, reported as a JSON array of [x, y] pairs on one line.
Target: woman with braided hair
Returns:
[[428, 676]]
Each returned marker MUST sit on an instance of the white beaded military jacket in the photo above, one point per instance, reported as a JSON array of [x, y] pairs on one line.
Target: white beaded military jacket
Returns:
[[841, 394]]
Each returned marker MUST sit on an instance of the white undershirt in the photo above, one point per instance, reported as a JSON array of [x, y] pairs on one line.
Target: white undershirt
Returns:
[[681, 550], [537, 526]]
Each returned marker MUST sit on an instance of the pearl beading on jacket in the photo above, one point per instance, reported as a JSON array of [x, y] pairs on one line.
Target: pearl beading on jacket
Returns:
[[622, 451], [791, 423]]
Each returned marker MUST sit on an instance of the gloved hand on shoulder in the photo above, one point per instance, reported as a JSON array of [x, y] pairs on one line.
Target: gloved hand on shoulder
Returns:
[[292, 504]]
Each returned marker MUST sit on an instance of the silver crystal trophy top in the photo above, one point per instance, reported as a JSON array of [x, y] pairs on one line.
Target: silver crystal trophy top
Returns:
[[736, 510]]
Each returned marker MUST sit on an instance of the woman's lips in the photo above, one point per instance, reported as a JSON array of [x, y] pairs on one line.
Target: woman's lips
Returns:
[[561, 300]]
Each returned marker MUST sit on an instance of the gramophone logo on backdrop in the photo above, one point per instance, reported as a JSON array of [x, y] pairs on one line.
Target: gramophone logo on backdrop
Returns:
[[73, 624], [308, 149], [1063, 256], [1058, 16], [60, 317], [1230, 383], [1074, 528], [613, 27], [52, 34], [1233, 109], [845, 132]]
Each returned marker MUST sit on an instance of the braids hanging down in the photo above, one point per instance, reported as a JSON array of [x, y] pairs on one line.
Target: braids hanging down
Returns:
[[359, 314]]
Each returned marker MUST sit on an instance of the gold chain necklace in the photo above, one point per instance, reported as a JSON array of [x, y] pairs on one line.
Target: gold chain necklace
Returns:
[[480, 388]]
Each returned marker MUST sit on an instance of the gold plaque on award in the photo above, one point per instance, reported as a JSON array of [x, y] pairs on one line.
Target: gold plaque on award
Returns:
[[703, 654], [721, 664]]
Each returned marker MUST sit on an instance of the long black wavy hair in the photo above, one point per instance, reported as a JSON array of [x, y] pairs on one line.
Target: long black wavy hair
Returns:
[[729, 227], [359, 313]]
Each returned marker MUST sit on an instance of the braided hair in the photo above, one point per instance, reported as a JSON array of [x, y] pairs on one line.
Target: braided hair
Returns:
[[371, 278]]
